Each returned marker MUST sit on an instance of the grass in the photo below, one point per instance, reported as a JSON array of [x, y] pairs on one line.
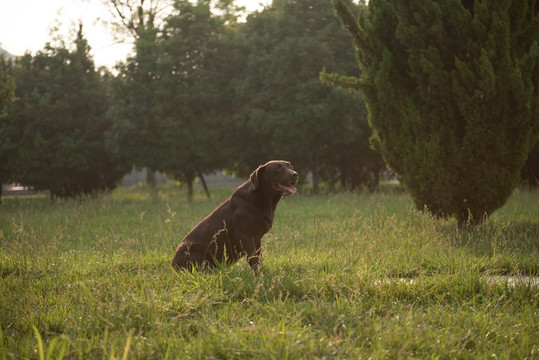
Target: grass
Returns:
[[344, 276]]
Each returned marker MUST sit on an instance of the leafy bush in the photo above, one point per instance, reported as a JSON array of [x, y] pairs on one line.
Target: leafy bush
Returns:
[[58, 131], [451, 88]]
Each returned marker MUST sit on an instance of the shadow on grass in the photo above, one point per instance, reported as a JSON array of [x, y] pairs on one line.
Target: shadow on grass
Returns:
[[494, 239]]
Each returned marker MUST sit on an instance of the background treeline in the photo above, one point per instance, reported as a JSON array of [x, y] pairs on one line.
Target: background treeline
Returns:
[[202, 92]]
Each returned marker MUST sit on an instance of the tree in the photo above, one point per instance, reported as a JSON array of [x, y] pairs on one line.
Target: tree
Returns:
[[132, 18], [7, 95], [175, 93], [132, 100], [286, 111], [530, 171], [451, 88], [7, 87], [193, 95], [59, 125], [135, 21]]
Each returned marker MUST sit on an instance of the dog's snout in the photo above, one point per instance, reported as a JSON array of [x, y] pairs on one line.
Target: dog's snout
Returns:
[[294, 175]]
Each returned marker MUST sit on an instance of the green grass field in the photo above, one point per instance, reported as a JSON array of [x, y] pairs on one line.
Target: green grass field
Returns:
[[344, 276]]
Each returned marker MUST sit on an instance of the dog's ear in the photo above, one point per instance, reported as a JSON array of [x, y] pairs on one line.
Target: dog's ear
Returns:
[[255, 176]]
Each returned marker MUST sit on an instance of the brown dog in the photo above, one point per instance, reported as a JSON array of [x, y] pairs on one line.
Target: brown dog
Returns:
[[236, 227]]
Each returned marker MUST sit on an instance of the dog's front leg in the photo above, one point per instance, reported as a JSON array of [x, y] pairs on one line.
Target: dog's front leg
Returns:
[[253, 252]]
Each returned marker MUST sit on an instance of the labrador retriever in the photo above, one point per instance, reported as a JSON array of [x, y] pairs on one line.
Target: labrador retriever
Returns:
[[236, 227]]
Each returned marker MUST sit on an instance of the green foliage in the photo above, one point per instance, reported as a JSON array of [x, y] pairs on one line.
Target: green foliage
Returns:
[[286, 112], [93, 280], [530, 172], [173, 95], [204, 93], [7, 87], [58, 128], [200, 93], [132, 92], [7, 148], [451, 89], [193, 95]]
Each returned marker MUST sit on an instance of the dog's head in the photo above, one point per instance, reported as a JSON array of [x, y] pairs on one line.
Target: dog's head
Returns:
[[276, 176]]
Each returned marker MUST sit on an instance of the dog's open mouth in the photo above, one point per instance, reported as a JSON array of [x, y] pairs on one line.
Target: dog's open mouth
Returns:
[[284, 189]]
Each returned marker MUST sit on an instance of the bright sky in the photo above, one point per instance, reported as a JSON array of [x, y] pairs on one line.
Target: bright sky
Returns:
[[25, 26]]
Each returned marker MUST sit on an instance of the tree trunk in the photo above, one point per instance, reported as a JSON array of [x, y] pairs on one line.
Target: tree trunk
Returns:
[[189, 178], [190, 190], [204, 185], [343, 174], [376, 184], [316, 173]]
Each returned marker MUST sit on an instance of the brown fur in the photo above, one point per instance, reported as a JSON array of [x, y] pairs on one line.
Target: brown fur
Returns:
[[236, 227]]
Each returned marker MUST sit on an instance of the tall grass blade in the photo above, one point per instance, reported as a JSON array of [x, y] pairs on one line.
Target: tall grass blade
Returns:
[[127, 346], [41, 350]]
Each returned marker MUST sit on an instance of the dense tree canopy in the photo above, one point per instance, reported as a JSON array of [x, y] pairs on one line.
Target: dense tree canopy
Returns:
[[7, 87], [530, 170], [58, 127], [204, 93], [132, 100], [7, 148], [451, 88], [193, 91], [174, 94], [285, 111]]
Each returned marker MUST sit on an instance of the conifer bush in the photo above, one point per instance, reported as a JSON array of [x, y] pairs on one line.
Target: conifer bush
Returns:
[[451, 89]]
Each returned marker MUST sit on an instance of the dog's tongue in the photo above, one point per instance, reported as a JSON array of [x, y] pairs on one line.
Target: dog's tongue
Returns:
[[290, 189]]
